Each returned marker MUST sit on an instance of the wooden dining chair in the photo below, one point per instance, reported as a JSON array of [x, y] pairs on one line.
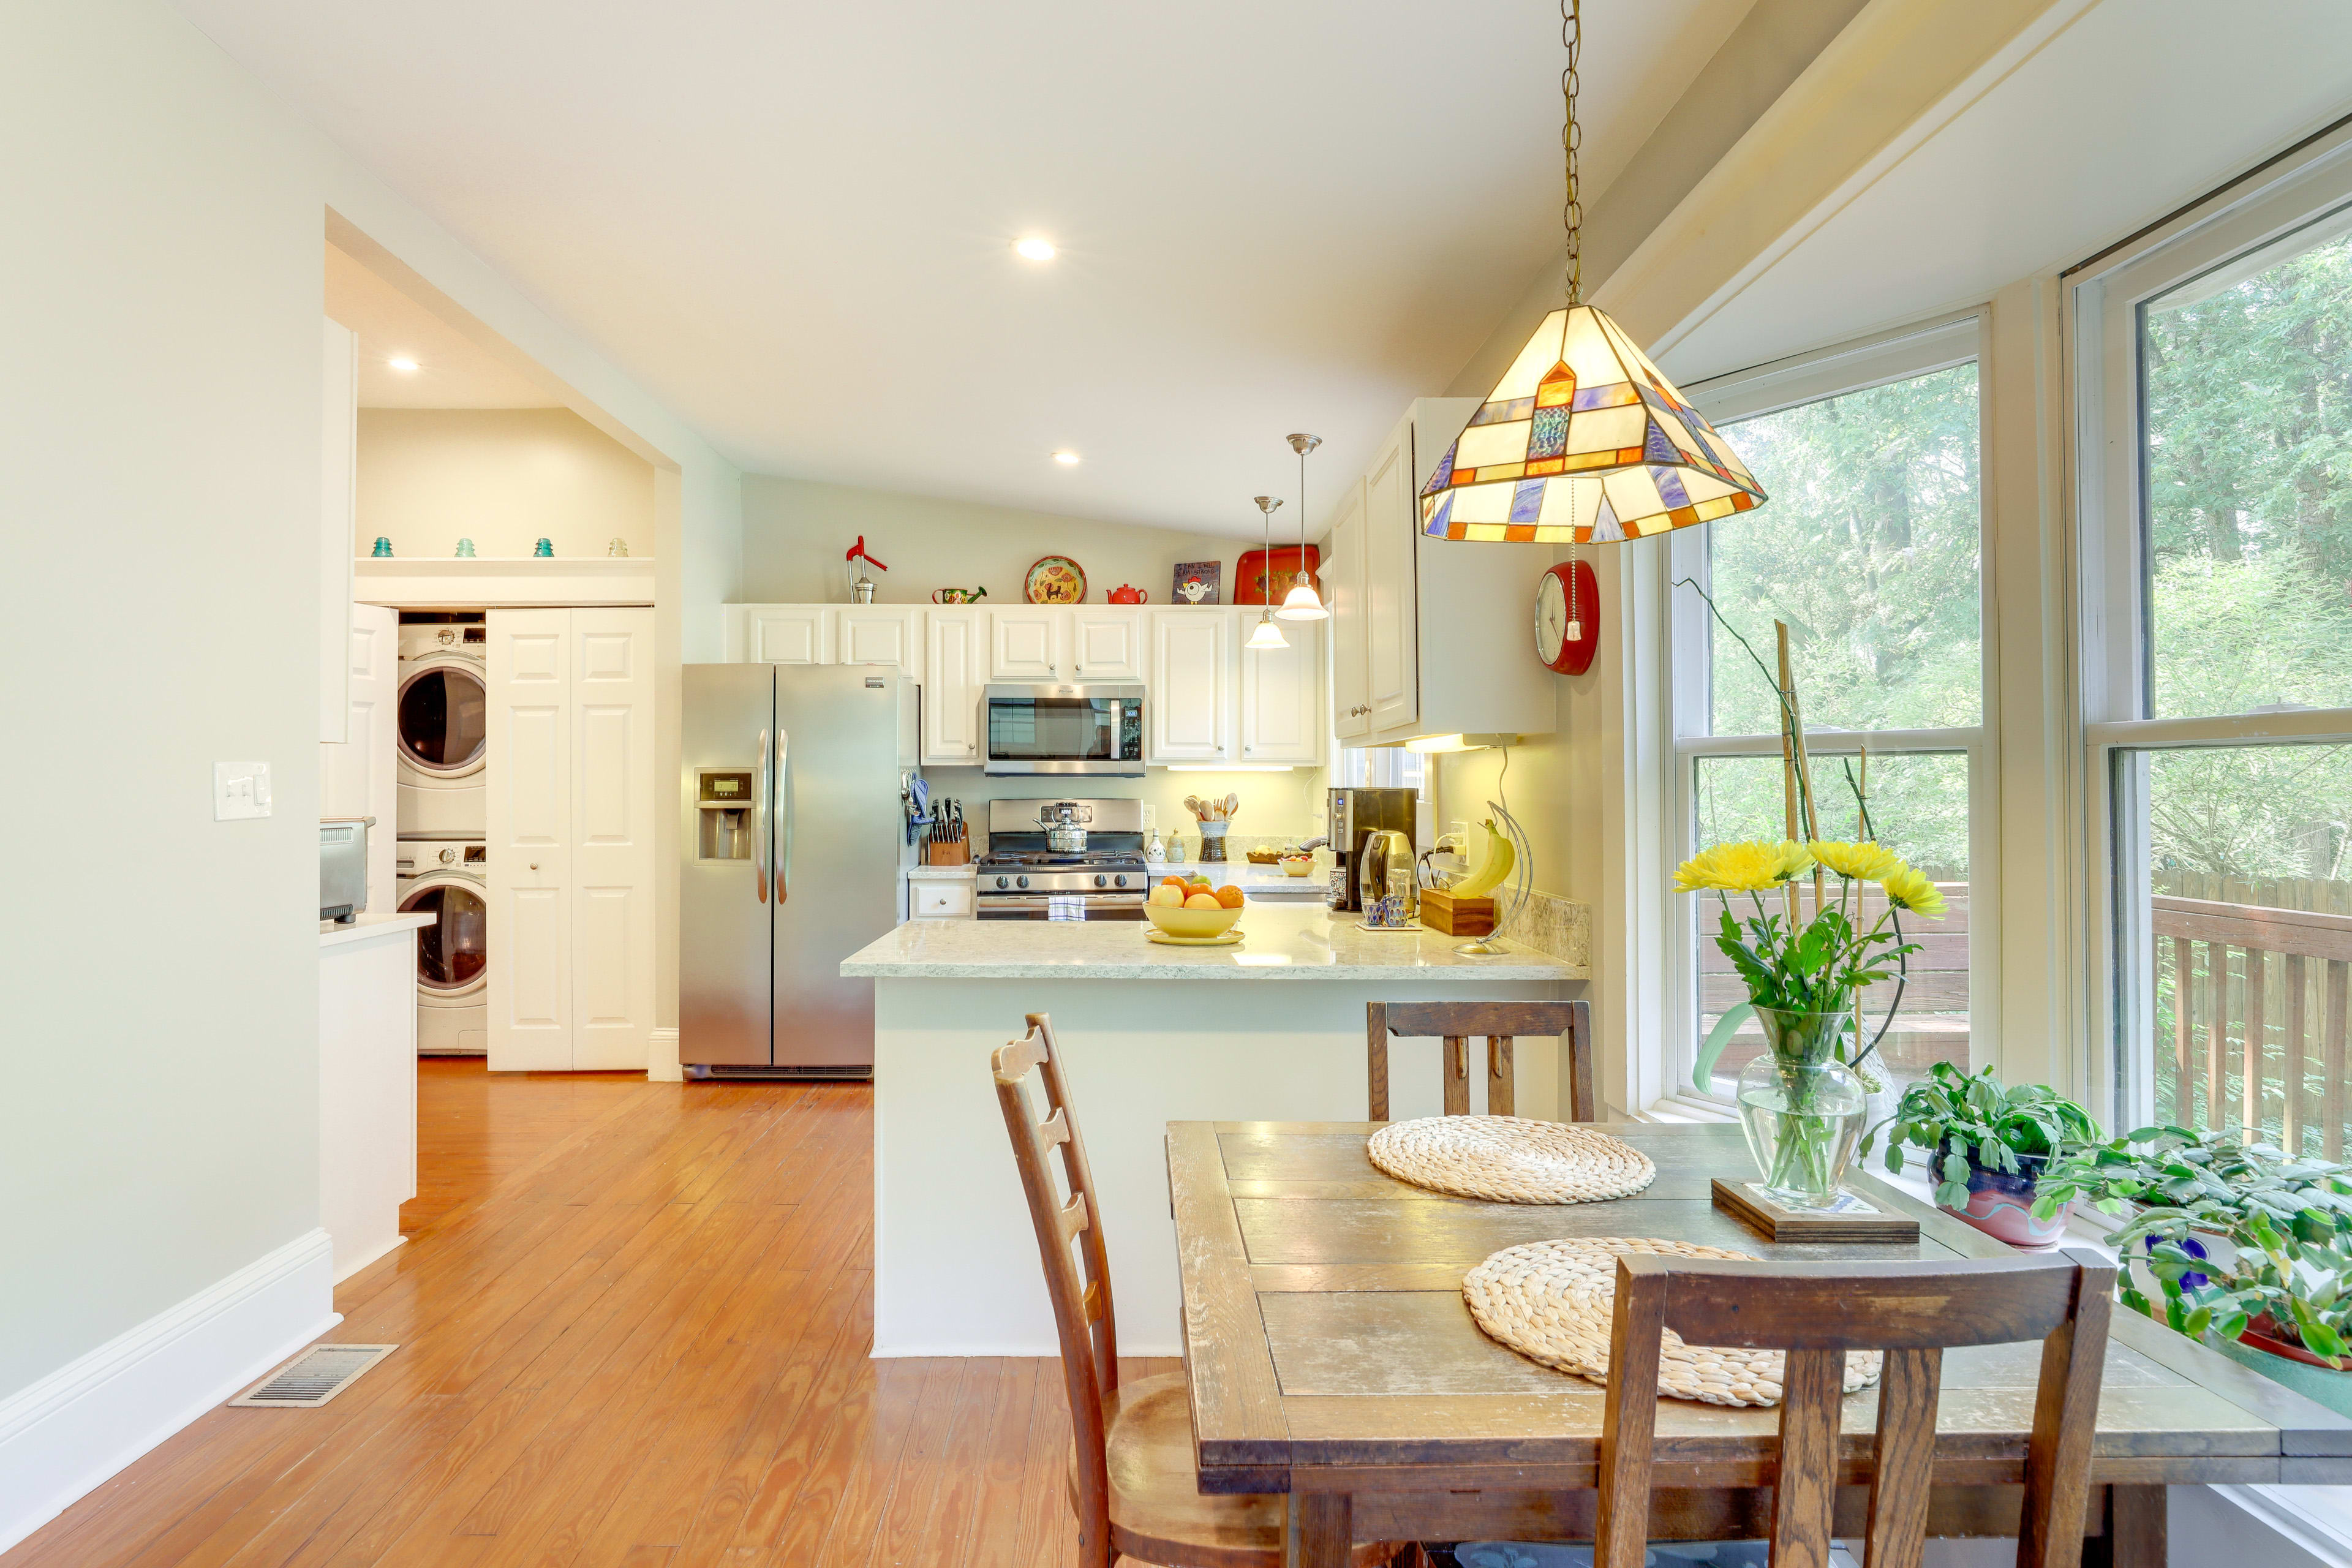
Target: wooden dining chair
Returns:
[[1501, 1023], [1133, 1482], [1816, 1313]]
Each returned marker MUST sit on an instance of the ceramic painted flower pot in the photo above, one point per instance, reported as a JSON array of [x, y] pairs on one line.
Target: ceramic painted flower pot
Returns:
[[2002, 1206]]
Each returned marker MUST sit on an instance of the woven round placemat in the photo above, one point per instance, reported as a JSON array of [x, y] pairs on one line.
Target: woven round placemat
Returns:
[[1510, 1160], [1551, 1301]]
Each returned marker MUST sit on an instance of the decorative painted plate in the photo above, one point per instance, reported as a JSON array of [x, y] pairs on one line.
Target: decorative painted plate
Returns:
[[1055, 580]]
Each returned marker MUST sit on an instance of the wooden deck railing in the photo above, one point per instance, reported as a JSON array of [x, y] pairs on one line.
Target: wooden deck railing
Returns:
[[2257, 1003]]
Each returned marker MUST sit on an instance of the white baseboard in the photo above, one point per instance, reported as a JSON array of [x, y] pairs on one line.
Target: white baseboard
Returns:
[[661, 1057], [64, 1434], [345, 1270]]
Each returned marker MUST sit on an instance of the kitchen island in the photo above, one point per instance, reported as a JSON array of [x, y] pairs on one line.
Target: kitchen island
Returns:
[[1272, 1029]]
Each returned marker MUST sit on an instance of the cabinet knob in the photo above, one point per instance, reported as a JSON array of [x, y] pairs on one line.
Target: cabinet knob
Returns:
[[534, 865]]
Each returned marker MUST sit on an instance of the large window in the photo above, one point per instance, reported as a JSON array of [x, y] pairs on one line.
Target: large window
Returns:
[[2216, 368], [1869, 553]]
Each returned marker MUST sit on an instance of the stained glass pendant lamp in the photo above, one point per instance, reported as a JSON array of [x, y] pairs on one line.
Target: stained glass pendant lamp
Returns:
[[1584, 439], [1302, 603], [1265, 634]]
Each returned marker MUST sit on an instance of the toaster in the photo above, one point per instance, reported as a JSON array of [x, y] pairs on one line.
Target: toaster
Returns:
[[343, 868]]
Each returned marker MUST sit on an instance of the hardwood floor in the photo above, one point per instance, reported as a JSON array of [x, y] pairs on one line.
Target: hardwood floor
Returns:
[[634, 1320]]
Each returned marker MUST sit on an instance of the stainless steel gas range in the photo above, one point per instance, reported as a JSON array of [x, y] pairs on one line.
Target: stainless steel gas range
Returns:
[[1022, 878]]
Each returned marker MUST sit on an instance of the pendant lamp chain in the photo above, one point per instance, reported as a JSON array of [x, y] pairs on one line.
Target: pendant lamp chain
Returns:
[[1572, 217], [1572, 212]]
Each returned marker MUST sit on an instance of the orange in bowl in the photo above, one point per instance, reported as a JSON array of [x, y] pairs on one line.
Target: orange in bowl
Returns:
[[1178, 920]]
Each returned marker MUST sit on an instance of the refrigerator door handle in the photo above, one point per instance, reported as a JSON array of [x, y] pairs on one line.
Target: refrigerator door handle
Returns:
[[783, 811], [760, 824]]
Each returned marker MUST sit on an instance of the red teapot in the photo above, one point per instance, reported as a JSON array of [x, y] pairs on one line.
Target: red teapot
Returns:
[[1124, 594]]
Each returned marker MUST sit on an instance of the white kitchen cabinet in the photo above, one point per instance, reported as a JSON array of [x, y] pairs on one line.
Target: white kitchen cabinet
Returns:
[[954, 673], [1106, 642], [1343, 582], [939, 899], [1392, 606], [1025, 642], [1443, 626], [569, 815], [780, 634], [1281, 697], [1189, 714], [878, 634]]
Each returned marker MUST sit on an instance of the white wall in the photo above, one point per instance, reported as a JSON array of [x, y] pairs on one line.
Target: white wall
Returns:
[[504, 478], [159, 482], [795, 531]]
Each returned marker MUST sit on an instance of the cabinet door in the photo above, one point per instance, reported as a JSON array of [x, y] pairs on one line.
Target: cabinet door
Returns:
[[1391, 603], [867, 634], [1351, 675], [1281, 714], [612, 848], [527, 813], [952, 678], [1106, 644], [1026, 643], [788, 634], [1187, 703]]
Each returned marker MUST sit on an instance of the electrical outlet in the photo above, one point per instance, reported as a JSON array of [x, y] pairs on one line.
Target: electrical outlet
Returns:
[[240, 790], [1150, 817]]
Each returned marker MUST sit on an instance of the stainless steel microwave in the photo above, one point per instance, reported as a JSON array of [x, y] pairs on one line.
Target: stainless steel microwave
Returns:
[[1058, 728]]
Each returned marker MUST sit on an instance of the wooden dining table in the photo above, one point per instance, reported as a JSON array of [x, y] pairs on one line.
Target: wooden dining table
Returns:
[[1330, 1358]]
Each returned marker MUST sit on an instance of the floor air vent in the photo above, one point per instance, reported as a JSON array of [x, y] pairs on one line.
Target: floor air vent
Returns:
[[314, 1377]]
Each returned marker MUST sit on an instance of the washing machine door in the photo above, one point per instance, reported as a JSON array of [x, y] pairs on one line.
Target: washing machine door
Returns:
[[452, 953], [444, 716]]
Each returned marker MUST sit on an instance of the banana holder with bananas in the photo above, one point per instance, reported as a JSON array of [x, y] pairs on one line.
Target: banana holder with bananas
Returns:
[[1469, 907]]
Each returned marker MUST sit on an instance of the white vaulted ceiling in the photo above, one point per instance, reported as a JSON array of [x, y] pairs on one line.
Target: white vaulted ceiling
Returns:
[[792, 222]]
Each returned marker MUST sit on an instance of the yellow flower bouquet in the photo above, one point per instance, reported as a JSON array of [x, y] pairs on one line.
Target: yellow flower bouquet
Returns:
[[1802, 1104]]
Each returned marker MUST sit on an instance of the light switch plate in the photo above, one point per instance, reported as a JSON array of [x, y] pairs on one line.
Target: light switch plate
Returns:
[[1150, 817], [240, 790]]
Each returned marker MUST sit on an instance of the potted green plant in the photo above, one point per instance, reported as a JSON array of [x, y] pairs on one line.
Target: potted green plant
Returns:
[[1988, 1147], [2282, 1284]]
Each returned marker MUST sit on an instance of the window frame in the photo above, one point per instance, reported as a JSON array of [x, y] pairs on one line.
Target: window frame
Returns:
[[1903, 353], [2284, 208]]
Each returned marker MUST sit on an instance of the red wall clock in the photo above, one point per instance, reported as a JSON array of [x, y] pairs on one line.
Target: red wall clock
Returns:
[[1568, 617]]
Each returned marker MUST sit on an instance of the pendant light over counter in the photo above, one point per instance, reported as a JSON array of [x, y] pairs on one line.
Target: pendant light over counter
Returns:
[[1303, 603], [1584, 439], [1265, 634]]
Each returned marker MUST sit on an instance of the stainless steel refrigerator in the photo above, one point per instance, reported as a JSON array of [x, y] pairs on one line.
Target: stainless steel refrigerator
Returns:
[[793, 778]]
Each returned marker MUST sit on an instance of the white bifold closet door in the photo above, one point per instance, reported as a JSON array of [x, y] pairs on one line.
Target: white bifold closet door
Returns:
[[357, 775], [569, 822]]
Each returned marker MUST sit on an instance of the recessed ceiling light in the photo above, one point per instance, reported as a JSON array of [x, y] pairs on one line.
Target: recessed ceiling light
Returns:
[[403, 365], [1066, 459], [1035, 249]]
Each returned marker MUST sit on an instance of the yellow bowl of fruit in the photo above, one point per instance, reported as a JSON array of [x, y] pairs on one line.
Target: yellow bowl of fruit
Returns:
[[1191, 907]]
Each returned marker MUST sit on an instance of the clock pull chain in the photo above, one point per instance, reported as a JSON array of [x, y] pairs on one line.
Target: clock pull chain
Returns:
[[1575, 621]]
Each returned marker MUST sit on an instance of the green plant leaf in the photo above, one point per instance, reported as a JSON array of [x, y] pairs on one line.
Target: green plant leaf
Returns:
[[1711, 1049]]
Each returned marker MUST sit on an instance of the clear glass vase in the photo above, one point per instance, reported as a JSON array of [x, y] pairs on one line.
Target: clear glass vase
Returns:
[[1802, 1108]]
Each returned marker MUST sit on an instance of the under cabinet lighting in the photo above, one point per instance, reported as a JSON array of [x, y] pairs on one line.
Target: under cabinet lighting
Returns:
[[1427, 744], [1231, 767], [1035, 249]]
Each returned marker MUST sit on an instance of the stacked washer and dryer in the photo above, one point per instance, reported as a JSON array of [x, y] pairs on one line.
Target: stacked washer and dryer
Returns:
[[443, 718]]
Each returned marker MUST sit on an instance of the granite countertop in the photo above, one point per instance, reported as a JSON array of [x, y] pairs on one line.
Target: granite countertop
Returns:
[[366, 926], [1282, 942], [1239, 872], [962, 873]]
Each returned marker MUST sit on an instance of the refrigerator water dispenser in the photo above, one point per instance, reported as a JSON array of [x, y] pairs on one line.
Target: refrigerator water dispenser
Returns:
[[724, 831]]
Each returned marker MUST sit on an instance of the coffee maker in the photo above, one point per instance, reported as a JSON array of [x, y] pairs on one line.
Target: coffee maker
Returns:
[[1356, 815]]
